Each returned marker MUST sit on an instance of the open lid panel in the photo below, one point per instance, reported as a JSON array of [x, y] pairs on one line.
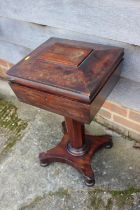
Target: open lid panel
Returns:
[[69, 68]]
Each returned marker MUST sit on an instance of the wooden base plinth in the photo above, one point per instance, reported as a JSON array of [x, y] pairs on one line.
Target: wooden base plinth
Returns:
[[81, 161]]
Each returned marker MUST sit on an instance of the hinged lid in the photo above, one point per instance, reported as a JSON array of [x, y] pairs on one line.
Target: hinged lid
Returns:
[[73, 69], [65, 54]]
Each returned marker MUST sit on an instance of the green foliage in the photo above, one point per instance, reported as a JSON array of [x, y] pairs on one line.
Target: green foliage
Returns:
[[119, 197], [12, 124], [9, 118]]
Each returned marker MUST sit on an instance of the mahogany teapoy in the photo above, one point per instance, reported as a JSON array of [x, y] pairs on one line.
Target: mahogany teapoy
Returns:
[[73, 79]]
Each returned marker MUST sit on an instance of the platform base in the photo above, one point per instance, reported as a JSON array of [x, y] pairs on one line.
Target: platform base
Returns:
[[82, 163]]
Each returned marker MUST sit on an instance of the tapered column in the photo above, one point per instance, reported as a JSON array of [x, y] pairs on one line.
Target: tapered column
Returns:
[[76, 132]]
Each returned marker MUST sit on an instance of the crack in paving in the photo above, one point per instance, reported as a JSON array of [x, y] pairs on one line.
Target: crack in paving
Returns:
[[94, 199]]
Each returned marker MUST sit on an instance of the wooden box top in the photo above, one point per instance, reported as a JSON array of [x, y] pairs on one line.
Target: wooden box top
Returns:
[[73, 69]]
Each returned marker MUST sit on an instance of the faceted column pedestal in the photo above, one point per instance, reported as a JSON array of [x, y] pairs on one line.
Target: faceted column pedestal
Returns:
[[76, 149]]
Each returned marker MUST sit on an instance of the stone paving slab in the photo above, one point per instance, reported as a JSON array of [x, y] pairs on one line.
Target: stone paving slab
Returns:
[[24, 185]]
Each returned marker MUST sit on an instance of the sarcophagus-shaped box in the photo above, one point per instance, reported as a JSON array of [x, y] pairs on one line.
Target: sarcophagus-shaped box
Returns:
[[70, 78], [73, 79]]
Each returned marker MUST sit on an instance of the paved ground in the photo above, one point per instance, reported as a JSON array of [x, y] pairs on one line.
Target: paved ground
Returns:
[[24, 185]]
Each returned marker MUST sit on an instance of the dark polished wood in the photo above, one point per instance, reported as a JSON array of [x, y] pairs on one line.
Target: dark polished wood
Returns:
[[54, 103], [80, 161], [73, 69], [74, 109], [77, 145], [73, 79]]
